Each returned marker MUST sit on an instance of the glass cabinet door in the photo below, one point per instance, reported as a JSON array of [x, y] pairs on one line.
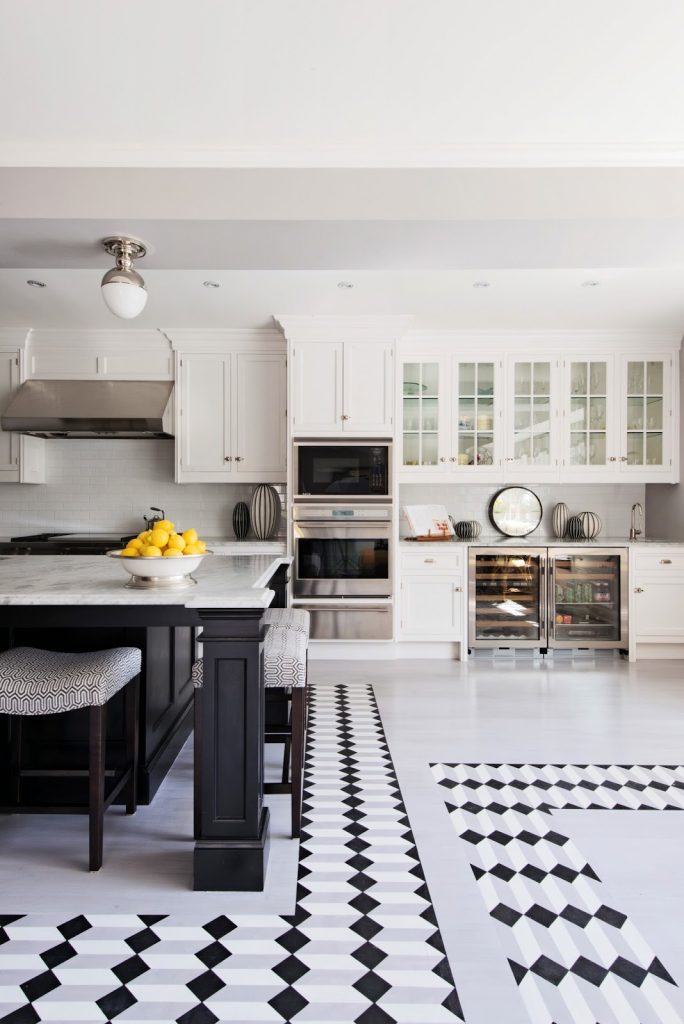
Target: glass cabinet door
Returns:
[[531, 433], [506, 598], [422, 413], [589, 410], [475, 416], [647, 413]]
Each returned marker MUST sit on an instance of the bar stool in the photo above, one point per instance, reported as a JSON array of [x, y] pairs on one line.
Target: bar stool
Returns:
[[285, 667], [38, 682]]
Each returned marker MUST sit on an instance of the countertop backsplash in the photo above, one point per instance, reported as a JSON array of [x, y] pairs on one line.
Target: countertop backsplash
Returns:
[[102, 485], [612, 502]]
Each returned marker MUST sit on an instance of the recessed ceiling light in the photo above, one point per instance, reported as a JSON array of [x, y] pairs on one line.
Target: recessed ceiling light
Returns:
[[480, 284], [590, 284], [345, 284], [36, 284], [211, 284]]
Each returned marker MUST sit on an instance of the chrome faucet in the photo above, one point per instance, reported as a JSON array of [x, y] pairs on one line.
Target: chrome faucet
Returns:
[[633, 531]]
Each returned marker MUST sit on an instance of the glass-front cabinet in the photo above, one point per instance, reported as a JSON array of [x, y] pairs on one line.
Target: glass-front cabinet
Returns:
[[476, 424], [590, 437], [646, 430], [424, 415], [531, 424]]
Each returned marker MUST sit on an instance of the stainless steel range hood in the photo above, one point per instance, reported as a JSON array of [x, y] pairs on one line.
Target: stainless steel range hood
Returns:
[[91, 408]]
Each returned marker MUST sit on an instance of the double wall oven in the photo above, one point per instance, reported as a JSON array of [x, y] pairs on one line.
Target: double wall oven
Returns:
[[343, 538]]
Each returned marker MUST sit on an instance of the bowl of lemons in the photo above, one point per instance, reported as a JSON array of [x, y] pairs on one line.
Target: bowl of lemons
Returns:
[[162, 557]]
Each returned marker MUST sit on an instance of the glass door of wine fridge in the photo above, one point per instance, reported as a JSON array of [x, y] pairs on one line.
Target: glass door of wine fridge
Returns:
[[588, 597], [507, 597]]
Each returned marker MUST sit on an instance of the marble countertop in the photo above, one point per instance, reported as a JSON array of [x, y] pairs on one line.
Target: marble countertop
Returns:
[[223, 581], [490, 541], [251, 546]]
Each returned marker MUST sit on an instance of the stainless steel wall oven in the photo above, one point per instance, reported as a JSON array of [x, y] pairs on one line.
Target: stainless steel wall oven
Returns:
[[342, 550]]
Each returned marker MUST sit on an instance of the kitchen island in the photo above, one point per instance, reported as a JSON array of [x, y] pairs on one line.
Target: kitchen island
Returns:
[[84, 600]]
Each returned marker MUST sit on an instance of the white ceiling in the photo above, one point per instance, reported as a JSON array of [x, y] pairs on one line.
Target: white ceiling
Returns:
[[409, 147]]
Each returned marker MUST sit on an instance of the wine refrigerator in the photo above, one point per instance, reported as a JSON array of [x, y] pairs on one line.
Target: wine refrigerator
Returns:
[[560, 597]]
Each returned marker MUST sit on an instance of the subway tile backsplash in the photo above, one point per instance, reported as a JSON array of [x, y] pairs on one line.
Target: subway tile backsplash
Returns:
[[612, 502], [102, 485]]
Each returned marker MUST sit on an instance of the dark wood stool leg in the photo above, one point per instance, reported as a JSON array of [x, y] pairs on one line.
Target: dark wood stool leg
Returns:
[[298, 736], [287, 746], [16, 727], [132, 707], [98, 744]]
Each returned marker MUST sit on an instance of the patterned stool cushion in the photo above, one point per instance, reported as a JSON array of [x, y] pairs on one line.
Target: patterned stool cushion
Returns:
[[296, 618], [36, 682], [284, 657]]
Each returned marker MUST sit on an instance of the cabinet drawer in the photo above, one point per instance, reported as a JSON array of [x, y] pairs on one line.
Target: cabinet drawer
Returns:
[[432, 561], [663, 562]]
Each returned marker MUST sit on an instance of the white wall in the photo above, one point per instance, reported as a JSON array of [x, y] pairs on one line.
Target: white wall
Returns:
[[100, 486], [665, 502], [612, 502]]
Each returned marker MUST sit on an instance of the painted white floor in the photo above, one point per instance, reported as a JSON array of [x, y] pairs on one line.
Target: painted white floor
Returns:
[[603, 711]]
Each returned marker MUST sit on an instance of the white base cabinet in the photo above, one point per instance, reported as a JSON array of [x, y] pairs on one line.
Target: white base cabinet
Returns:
[[22, 459], [431, 593], [657, 598], [231, 417]]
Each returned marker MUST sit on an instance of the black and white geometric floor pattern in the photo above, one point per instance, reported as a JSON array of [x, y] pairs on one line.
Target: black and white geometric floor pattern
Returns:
[[575, 959], [363, 944]]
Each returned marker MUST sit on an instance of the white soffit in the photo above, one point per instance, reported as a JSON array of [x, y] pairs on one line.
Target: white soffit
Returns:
[[324, 83]]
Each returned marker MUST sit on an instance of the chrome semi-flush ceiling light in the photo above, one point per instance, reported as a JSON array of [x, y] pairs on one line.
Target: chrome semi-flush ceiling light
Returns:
[[123, 289]]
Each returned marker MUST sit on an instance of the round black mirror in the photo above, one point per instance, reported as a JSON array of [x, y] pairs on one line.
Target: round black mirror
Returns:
[[515, 511]]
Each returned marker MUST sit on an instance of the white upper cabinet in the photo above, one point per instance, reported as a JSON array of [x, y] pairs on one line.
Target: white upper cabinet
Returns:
[[648, 424], [477, 419], [342, 387], [317, 388], [100, 354], [231, 417], [590, 444], [531, 419], [425, 416], [22, 459]]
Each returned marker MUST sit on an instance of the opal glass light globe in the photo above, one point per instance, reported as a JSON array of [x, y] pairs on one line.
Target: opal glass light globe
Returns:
[[124, 293]]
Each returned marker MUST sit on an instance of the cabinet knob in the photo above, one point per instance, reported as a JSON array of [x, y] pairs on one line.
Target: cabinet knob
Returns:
[[458, 589], [612, 458], [442, 458], [510, 458], [638, 590], [344, 416], [239, 458], [228, 458], [666, 561], [453, 458], [623, 458]]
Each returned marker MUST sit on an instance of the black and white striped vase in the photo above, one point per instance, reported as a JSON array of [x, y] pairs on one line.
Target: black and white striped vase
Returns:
[[265, 511], [241, 520], [575, 529], [467, 529], [559, 519], [591, 524]]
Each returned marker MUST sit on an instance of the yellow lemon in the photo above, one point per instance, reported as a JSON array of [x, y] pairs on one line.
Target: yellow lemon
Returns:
[[176, 541], [135, 543], [190, 536], [173, 553], [130, 552], [150, 551], [201, 545], [192, 549], [159, 538], [165, 524]]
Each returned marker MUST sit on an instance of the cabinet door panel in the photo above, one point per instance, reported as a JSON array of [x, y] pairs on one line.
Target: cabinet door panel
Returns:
[[531, 421], [260, 420], [647, 421], [476, 421], [424, 416], [590, 443], [9, 443], [658, 610], [204, 424], [431, 607], [317, 388], [368, 388]]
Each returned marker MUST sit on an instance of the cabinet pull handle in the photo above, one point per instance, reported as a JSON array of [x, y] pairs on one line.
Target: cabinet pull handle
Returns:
[[666, 561], [344, 416], [228, 458], [239, 458], [510, 458], [427, 560], [638, 590]]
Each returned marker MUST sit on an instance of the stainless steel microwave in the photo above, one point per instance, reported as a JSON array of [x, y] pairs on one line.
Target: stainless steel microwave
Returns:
[[343, 469]]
